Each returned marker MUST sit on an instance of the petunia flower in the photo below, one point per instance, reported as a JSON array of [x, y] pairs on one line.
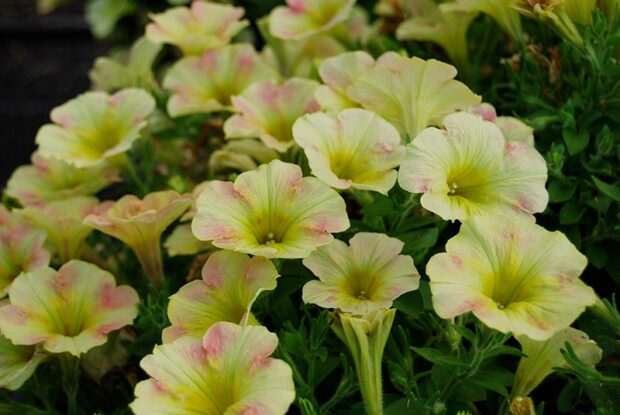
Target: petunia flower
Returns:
[[21, 250], [580, 11], [268, 111], [240, 155], [507, 18], [230, 283], [53, 179], [182, 241], [303, 18], [70, 310], [514, 275], [512, 128], [17, 363], [95, 126], [357, 149], [446, 26], [469, 169], [206, 83], [230, 371], [62, 221], [553, 12], [367, 275], [140, 224], [543, 356], [198, 28], [411, 93], [272, 212], [338, 73]]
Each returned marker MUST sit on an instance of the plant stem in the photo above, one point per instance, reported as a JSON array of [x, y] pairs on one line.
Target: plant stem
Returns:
[[70, 366]]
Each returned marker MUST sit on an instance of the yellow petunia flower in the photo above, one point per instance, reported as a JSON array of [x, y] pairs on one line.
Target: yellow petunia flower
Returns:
[[303, 18], [367, 275], [553, 12], [198, 28], [230, 371], [70, 310], [469, 169], [514, 275], [230, 283], [17, 363], [272, 212], [507, 18], [357, 149], [411, 93], [95, 126]]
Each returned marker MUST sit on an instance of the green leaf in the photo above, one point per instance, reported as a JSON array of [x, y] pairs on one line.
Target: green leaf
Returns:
[[435, 356], [575, 141], [571, 213], [560, 191], [490, 380], [612, 191]]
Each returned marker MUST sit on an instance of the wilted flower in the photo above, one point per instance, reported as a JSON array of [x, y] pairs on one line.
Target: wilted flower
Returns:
[[268, 111], [21, 250], [230, 283], [304, 18], [240, 155], [17, 363], [506, 17], [134, 70], [411, 93], [367, 275], [95, 126], [543, 356], [229, 371], [469, 169], [53, 179], [207, 83], [272, 212], [195, 29], [357, 149], [514, 275], [512, 128], [140, 223], [338, 73], [62, 221], [70, 310]]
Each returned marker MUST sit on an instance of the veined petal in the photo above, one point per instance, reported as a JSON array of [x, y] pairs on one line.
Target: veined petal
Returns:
[[304, 18], [17, 363]]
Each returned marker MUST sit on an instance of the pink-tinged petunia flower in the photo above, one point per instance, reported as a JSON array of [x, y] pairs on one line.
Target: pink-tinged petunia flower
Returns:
[[95, 126], [357, 149], [17, 363], [207, 83], [469, 169], [70, 310], [506, 17], [512, 128], [46, 180], [338, 73], [367, 275], [555, 13], [140, 224], [272, 212], [62, 221], [230, 371], [6, 218], [21, 250], [239, 156], [230, 283], [543, 356], [198, 28], [514, 275], [304, 18], [411, 93], [268, 111]]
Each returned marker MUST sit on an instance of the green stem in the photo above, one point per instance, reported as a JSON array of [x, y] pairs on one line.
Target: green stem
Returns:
[[70, 366], [130, 170]]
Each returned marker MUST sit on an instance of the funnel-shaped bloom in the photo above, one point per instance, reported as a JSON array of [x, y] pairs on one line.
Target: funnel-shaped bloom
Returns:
[[514, 275], [357, 149], [553, 12], [272, 212], [230, 371], [507, 18], [230, 283], [543, 356], [21, 250], [140, 223], [445, 26], [512, 128], [70, 310], [338, 73], [207, 83], [469, 169], [411, 93], [195, 29], [268, 111], [367, 275], [17, 363], [95, 126], [52, 179], [62, 221], [304, 18]]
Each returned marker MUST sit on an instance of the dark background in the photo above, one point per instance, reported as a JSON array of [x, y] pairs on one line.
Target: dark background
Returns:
[[44, 61]]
